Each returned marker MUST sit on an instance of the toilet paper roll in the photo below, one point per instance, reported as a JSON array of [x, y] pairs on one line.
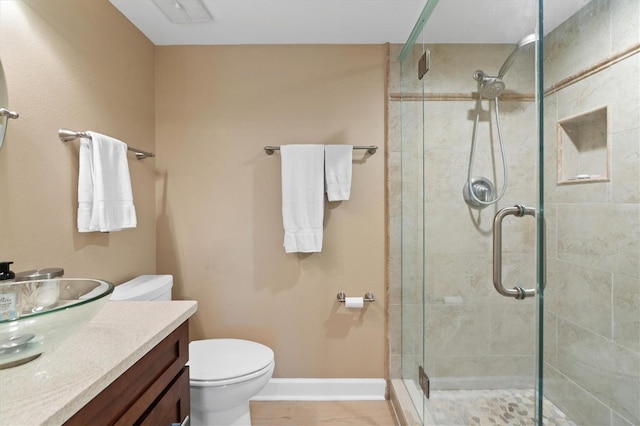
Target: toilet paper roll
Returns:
[[354, 302]]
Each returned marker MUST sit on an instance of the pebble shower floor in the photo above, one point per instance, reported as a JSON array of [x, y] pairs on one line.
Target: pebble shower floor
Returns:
[[490, 407]]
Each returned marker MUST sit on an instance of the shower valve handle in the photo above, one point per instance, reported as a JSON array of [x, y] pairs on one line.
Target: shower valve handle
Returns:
[[516, 292]]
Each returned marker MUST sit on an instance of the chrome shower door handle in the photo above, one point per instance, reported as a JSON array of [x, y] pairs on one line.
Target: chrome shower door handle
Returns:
[[516, 292]]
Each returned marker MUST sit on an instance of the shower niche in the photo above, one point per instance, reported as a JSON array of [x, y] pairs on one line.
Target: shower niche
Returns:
[[584, 148]]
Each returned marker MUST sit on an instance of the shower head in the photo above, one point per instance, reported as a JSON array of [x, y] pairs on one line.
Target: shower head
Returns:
[[524, 42], [492, 87]]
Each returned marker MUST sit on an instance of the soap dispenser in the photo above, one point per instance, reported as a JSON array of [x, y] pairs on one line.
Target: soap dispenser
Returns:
[[9, 293]]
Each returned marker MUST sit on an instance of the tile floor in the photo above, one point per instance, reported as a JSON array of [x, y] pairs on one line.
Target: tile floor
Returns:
[[491, 407], [322, 413], [446, 408]]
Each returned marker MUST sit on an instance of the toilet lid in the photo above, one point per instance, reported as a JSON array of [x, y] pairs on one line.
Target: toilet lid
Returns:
[[222, 359]]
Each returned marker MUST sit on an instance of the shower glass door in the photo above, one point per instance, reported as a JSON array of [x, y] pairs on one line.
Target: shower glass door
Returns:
[[471, 121], [481, 134]]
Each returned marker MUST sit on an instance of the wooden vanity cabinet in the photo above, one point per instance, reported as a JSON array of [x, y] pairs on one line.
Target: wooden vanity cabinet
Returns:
[[154, 391]]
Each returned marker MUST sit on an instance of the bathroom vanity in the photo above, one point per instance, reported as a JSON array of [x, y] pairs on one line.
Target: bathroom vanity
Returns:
[[126, 366]]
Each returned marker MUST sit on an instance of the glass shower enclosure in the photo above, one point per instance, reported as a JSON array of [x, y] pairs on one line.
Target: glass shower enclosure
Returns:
[[516, 144]]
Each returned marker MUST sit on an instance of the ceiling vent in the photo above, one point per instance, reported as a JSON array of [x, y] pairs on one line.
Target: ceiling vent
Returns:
[[184, 11]]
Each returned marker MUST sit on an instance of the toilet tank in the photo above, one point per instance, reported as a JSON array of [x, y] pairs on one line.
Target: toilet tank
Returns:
[[145, 287]]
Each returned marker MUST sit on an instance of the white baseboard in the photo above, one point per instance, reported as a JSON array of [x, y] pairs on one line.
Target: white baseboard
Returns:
[[323, 390]]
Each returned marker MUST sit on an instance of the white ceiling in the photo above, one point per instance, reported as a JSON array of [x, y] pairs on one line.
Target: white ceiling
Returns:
[[347, 21]]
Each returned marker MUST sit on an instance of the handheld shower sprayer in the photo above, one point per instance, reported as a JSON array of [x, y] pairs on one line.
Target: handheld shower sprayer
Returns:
[[479, 192]]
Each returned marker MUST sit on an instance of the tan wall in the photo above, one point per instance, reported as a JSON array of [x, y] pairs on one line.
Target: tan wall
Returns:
[[219, 228], [76, 64], [219, 225]]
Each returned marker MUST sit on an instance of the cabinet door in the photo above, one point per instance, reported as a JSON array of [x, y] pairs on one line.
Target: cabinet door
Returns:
[[173, 405], [133, 395]]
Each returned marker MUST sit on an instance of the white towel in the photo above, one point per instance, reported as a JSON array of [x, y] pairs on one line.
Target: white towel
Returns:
[[105, 199], [302, 197], [337, 171]]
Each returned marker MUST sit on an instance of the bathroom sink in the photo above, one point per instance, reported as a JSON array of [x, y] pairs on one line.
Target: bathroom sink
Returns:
[[46, 312]]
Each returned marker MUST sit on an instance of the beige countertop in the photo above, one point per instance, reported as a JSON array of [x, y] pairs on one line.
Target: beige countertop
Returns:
[[50, 389]]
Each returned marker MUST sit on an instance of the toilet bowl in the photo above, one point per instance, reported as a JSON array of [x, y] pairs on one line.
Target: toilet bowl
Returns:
[[223, 373]]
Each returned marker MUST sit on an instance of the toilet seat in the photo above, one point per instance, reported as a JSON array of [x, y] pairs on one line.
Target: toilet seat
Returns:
[[220, 362]]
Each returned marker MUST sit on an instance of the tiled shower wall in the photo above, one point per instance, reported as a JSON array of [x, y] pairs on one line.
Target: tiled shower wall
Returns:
[[592, 301]]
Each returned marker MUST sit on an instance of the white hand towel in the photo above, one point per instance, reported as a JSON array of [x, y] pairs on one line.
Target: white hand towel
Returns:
[[105, 199], [337, 171], [302, 197]]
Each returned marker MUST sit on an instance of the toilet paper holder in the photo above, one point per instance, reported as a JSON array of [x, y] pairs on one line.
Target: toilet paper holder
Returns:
[[368, 297]]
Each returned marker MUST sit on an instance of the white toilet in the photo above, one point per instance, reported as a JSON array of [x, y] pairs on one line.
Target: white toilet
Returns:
[[224, 373]]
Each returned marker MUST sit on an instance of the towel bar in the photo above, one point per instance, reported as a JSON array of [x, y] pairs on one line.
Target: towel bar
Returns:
[[67, 135], [371, 149], [9, 114]]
